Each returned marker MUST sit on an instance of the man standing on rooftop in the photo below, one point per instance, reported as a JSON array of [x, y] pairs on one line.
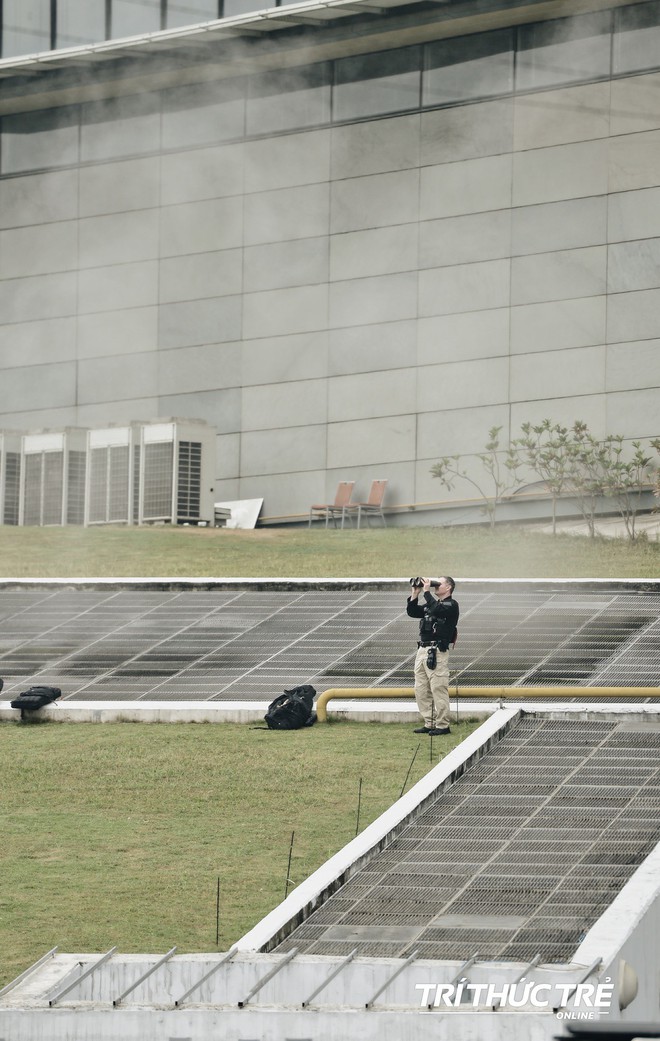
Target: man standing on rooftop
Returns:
[[438, 614]]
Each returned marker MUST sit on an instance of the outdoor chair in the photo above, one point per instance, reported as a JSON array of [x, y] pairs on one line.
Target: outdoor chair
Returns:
[[334, 509], [373, 505]]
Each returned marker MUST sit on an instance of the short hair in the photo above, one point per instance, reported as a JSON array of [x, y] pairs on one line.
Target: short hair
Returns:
[[451, 582]]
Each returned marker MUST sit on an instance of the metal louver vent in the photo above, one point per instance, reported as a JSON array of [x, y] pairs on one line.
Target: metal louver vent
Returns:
[[189, 480], [12, 487], [75, 509], [157, 481]]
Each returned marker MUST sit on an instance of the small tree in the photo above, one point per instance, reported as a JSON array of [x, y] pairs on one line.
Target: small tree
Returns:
[[500, 473], [588, 472], [545, 449], [625, 479]]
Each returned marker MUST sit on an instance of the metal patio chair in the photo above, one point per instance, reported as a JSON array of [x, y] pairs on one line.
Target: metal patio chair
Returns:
[[373, 505], [334, 509]]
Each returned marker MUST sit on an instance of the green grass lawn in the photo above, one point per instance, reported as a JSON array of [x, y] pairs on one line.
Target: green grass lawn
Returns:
[[467, 552], [118, 833]]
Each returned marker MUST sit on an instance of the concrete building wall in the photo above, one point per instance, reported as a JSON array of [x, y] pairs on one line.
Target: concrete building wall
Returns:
[[342, 302]]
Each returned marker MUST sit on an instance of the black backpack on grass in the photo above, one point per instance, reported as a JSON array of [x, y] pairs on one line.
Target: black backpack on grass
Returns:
[[292, 710]]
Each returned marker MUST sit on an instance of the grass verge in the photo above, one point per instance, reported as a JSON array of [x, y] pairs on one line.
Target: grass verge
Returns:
[[117, 834], [467, 552]]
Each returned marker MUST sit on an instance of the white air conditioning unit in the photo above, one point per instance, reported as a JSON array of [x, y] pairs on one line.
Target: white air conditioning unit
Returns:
[[109, 485], [53, 477], [10, 476], [174, 466]]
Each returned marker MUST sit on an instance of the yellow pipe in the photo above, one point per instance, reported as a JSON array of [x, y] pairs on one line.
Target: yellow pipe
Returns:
[[517, 693]]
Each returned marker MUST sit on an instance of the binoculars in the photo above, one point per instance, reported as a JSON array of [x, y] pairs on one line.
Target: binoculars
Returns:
[[417, 583]]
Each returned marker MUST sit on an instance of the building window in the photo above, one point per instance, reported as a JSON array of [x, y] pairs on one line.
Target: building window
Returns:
[[374, 84], [190, 12], [471, 67], [564, 51], [25, 27], [637, 38], [80, 22], [131, 17], [287, 100]]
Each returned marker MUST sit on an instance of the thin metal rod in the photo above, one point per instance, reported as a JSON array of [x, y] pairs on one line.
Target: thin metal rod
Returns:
[[88, 972], [269, 975], [357, 823], [592, 968], [409, 769], [223, 961], [217, 915], [460, 974], [330, 978], [144, 976], [411, 957], [32, 968], [288, 867]]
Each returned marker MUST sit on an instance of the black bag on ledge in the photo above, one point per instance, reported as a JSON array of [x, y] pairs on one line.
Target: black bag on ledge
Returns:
[[34, 698], [293, 709]]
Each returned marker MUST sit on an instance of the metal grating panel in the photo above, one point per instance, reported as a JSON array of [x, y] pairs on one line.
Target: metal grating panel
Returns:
[[553, 869]]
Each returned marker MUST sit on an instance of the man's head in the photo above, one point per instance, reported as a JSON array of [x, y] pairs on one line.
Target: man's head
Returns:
[[446, 587]]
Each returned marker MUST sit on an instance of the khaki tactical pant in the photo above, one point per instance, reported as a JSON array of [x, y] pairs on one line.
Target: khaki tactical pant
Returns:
[[432, 689]]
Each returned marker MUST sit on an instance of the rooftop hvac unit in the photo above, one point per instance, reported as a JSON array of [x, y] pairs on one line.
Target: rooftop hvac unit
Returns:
[[53, 477], [10, 476], [174, 465], [110, 459]]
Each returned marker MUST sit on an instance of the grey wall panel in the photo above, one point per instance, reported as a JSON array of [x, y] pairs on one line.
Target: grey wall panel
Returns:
[[560, 172], [635, 161], [378, 251], [633, 414], [38, 198], [214, 366], [289, 213], [220, 408], [633, 316], [375, 201], [40, 419], [558, 324], [633, 265], [38, 297], [559, 225], [197, 276], [388, 298], [117, 332], [288, 450], [35, 387], [455, 337], [118, 286], [635, 104], [303, 403], [102, 379], [559, 276], [116, 187], [283, 311], [633, 215], [228, 454], [124, 410], [118, 238], [556, 374], [282, 264], [39, 250], [463, 384], [559, 116], [282, 162], [34, 343], [198, 226], [591, 410], [278, 359], [468, 287], [378, 147], [456, 431], [470, 186], [462, 240], [196, 322], [371, 348], [632, 366], [363, 397], [283, 498], [206, 173], [371, 442], [454, 134]]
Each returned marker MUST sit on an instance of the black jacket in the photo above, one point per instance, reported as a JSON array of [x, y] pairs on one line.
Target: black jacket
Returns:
[[438, 618]]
